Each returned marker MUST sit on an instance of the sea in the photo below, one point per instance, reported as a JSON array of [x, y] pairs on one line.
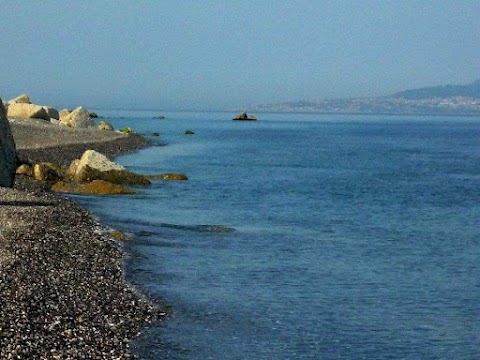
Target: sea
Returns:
[[304, 236]]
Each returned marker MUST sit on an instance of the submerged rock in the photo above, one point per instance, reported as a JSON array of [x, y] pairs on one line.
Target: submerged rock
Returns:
[[168, 176], [118, 235], [96, 187]]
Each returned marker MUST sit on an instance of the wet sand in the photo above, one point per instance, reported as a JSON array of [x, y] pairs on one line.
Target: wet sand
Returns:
[[62, 290]]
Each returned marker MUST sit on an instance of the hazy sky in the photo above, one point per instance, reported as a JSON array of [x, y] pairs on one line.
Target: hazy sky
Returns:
[[205, 54]]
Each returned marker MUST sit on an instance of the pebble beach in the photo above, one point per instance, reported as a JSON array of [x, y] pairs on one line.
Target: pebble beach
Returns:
[[62, 288]]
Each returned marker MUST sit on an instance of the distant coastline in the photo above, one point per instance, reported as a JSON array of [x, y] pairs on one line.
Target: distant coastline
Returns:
[[445, 100]]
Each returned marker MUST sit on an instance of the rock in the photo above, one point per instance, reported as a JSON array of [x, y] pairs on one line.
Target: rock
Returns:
[[27, 111], [95, 166], [72, 169], [47, 172], [78, 118], [103, 125], [189, 132], [96, 187], [24, 169], [64, 112], [168, 176], [118, 235], [56, 122], [8, 155], [126, 130], [52, 113], [93, 114], [156, 134], [21, 99], [244, 116]]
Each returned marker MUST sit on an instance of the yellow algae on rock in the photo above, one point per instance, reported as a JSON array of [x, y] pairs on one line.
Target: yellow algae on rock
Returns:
[[96, 187]]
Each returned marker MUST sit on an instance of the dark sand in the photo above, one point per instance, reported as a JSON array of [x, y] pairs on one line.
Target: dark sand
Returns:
[[62, 291]]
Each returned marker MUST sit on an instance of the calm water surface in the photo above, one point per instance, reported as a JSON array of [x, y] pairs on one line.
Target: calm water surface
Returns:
[[335, 237]]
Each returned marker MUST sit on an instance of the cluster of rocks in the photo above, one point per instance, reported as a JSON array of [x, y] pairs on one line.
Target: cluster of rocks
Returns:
[[92, 174], [22, 108]]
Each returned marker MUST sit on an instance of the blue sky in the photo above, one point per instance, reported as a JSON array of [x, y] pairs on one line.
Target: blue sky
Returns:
[[207, 54]]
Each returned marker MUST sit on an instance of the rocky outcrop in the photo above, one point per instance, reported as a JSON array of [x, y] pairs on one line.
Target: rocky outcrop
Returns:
[[78, 118], [244, 116], [26, 111], [8, 156], [95, 166]]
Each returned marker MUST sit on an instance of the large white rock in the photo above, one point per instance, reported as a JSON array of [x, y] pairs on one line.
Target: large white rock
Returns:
[[78, 118], [96, 166], [98, 161], [8, 155], [26, 111]]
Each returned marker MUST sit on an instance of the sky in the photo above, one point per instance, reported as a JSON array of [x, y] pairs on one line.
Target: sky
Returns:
[[214, 55]]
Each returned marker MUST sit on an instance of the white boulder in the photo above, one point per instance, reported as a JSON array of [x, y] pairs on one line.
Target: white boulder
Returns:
[[78, 118]]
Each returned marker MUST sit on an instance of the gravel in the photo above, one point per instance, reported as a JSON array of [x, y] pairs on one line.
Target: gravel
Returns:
[[62, 290]]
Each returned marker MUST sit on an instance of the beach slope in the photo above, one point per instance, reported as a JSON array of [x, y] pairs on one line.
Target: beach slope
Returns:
[[62, 291]]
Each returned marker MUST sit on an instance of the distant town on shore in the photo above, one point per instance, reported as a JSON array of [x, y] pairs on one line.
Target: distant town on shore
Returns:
[[434, 100]]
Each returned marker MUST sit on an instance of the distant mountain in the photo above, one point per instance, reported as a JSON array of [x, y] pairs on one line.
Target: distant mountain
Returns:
[[471, 90], [435, 100]]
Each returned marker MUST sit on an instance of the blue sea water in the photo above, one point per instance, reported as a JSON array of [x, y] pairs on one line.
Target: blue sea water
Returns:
[[305, 236]]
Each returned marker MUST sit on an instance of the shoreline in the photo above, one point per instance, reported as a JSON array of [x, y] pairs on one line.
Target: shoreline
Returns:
[[63, 292]]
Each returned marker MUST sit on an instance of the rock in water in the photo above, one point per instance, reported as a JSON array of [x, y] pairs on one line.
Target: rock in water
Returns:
[[244, 116], [168, 176], [8, 156], [78, 118], [96, 187], [96, 166]]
